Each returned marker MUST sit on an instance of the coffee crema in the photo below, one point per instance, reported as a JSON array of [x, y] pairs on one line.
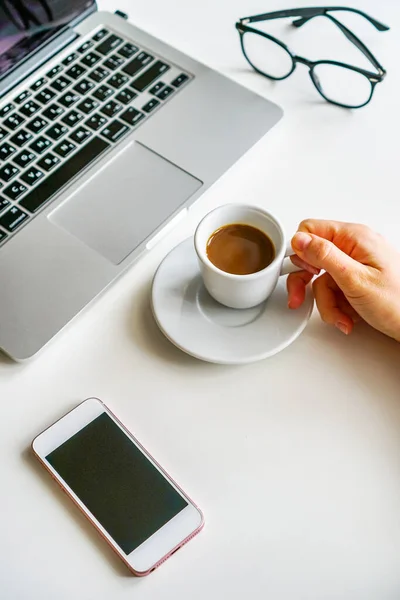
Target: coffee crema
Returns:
[[240, 249]]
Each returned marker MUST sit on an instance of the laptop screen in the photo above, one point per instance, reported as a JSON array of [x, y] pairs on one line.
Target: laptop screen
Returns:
[[26, 24]]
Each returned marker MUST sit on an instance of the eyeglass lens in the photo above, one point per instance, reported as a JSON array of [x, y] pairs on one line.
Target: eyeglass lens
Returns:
[[267, 56], [342, 85], [337, 84]]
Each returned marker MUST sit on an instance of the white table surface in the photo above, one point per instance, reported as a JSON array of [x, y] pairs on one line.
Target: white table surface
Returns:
[[295, 460]]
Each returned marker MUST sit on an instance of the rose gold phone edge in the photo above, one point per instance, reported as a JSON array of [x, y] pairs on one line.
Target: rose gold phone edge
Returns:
[[88, 516]]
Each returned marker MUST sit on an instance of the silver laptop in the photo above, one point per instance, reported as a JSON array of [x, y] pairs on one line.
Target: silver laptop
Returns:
[[107, 137]]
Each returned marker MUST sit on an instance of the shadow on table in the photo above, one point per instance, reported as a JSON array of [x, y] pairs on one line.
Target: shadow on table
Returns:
[[369, 358], [9, 365], [84, 525]]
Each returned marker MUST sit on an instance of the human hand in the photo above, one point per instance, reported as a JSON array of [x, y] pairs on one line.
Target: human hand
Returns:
[[361, 279]]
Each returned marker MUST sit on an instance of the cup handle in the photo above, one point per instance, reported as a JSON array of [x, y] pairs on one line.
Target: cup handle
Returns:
[[287, 265]]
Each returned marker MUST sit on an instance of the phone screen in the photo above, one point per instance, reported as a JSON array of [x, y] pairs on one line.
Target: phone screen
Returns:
[[117, 483]]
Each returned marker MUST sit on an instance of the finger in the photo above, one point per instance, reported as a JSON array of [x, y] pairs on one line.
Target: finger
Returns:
[[298, 262], [324, 228], [323, 254], [356, 240], [325, 290], [345, 306], [296, 286]]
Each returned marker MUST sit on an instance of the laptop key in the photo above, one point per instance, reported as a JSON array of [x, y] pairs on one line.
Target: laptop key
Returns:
[[30, 108], [128, 50], [70, 59], [40, 194], [56, 131], [111, 108], [85, 46], [114, 62], [48, 162], [165, 92], [141, 60], [76, 71], [53, 112], [65, 148], [99, 74], [102, 93], [8, 172], [90, 59], [151, 105], [23, 159], [5, 110], [14, 121], [38, 84], [69, 99], [145, 79], [95, 122], [60, 83], [3, 204], [45, 96], [114, 131], [132, 116], [109, 44], [125, 96], [54, 71], [180, 80], [3, 133], [100, 35], [40, 145], [157, 87], [72, 118], [32, 175], [21, 137], [3, 236], [6, 150], [80, 135], [84, 86], [15, 190], [13, 218], [37, 124], [117, 80], [88, 105], [22, 97]]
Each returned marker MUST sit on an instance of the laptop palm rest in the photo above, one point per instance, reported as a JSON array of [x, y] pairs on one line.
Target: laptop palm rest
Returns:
[[125, 201]]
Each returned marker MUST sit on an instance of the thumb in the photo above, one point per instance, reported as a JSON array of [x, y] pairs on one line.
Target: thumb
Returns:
[[322, 254]]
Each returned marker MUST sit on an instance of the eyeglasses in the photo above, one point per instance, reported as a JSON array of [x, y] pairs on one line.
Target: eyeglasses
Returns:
[[337, 82]]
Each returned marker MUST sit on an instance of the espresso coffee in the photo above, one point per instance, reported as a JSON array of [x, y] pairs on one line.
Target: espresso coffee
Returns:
[[240, 249]]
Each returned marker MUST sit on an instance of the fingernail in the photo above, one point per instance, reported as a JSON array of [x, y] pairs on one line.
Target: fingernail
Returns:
[[343, 328], [301, 240]]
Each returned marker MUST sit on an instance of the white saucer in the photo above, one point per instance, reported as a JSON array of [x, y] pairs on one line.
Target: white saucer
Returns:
[[200, 326]]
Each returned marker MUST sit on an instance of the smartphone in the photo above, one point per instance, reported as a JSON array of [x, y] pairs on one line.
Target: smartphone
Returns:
[[134, 504]]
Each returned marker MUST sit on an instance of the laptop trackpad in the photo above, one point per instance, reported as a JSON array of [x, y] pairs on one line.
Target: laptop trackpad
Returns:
[[128, 199]]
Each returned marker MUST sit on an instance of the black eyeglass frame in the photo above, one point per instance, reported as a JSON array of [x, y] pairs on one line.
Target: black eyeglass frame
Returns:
[[305, 15]]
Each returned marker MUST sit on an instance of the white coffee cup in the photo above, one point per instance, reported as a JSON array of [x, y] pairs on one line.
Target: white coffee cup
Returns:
[[242, 291]]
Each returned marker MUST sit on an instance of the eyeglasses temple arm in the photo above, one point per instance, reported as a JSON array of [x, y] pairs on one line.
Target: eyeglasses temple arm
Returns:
[[359, 44], [377, 24], [281, 14], [309, 13]]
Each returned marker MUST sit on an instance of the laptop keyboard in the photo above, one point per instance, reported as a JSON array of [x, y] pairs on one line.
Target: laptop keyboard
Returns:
[[73, 114]]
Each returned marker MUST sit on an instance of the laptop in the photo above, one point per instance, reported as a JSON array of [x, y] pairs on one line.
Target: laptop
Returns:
[[107, 137]]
